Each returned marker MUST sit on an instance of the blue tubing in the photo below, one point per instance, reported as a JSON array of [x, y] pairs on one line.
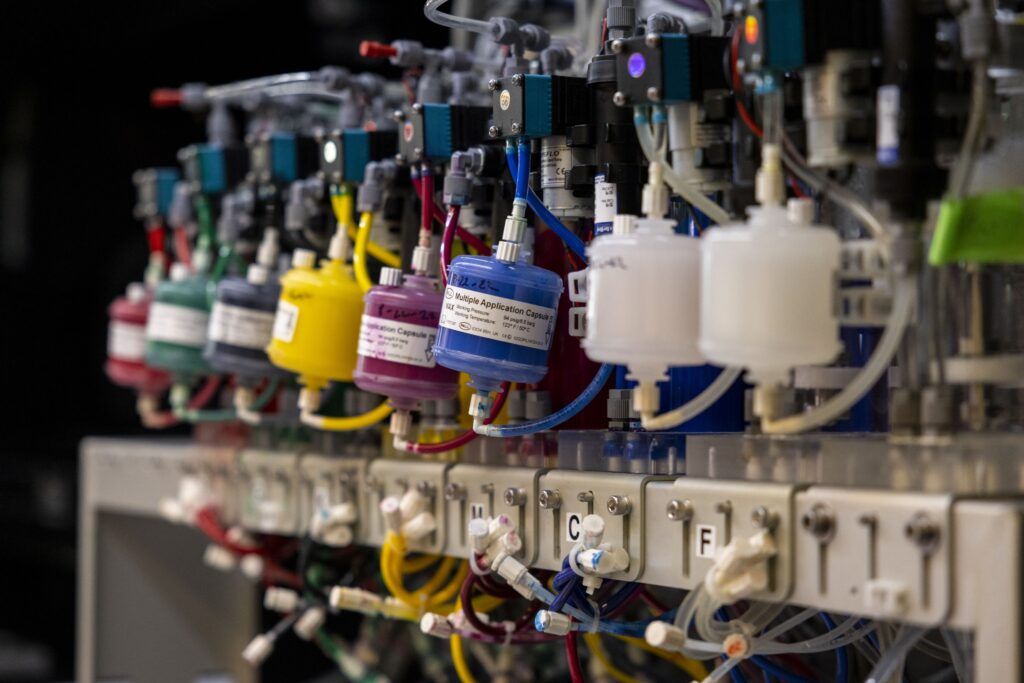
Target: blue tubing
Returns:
[[570, 239]]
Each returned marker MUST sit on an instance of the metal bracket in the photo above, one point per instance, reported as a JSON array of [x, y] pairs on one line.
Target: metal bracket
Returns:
[[886, 556], [388, 477], [269, 482], [478, 490], [693, 518], [328, 481]]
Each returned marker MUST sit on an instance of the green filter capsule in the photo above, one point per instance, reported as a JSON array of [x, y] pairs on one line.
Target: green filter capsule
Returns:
[[179, 318]]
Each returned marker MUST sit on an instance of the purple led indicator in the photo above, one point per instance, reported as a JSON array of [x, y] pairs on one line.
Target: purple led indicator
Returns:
[[636, 65]]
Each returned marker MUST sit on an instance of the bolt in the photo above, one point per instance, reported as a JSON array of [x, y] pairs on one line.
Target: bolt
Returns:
[[923, 532], [549, 500], [492, 84], [398, 115], [723, 508], [418, 108], [619, 505], [654, 94], [517, 79], [679, 510], [617, 46], [763, 518], [620, 99], [585, 497], [652, 40], [515, 127], [454, 491], [820, 521], [515, 497], [494, 131]]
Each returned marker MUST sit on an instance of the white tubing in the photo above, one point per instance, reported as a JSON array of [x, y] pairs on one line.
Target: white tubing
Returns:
[[903, 303], [432, 11], [894, 656], [678, 184], [695, 406]]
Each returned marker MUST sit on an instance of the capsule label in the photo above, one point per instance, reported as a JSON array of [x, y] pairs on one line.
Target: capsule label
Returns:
[[286, 320], [173, 324], [495, 317], [397, 342], [126, 341], [246, 328]]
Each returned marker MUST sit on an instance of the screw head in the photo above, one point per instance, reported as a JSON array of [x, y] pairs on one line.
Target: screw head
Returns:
[[652, 40], [585, 496], [619, 505], [820, 522], [515, 127], [763, 518], [923, 532], [549, 500], [617, 46], [619, 98], [494, 131], [398, 115], [454, 491], [417, 107], [517, 79], [653, 94], [515, 497], [679, 510], [492, 84]]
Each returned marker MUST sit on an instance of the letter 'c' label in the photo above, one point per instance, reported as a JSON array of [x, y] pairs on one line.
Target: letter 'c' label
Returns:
[[498, 318]]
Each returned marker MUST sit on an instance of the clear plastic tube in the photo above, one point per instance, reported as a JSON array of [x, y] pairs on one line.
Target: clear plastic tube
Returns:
[[432, 11], [678, 184], [556, 418], [694, 407], [960, 179], [904, 299], [894, 656], [229, 90]]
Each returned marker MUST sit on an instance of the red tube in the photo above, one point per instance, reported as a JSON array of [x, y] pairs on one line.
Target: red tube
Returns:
[[374, 50], [447, 237], [472, 241], [164, 98], [157, 236], [468, 435], [572, 655], [182, 247]]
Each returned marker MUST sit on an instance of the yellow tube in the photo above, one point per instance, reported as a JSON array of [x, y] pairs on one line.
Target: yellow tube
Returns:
[[362, 240], [343, 213], [347, 424], [692, 667], [596, 648], [462, 669]]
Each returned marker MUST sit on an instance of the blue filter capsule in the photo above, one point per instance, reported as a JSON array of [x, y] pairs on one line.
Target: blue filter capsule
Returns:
[[498, 321]]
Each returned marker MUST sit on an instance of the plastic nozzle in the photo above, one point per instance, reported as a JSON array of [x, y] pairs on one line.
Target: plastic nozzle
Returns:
[[374, 50], [165, 98]]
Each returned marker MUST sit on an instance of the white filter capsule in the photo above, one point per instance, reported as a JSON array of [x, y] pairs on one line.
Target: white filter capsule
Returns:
[[644, 298], [768, 293]]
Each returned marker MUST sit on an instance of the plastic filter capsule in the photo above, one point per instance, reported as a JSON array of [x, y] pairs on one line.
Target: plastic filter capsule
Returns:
[[179, 318], [126, 343], [396, 342], [768, 293], [643, 308], [498, 321]]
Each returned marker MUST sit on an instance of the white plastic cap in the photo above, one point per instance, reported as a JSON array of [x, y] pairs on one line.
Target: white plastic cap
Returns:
[[554, 623], [801, 211], [282, 600], [593, 531], [421, 257], [258, 649], [663, 635], [389, 508], [507, 251], [303, 258], [338, 536], [479, 534], [179, 272], [252, 566], [435, 625], [257, 274], [136, 292], [623, 224], [603, 562], [343, 513], [419, 527], [172, 510], [412, 503], [736, 646], [218, 557], [391, 277], [310, 622]]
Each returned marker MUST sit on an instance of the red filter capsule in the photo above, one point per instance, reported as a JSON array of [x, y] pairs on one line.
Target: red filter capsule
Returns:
[[126, 343]]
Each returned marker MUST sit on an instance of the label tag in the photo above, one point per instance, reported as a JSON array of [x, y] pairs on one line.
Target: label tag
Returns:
[[126, 341], [888, 140], [573, 527], [175, 324], [555, 164], [285, 321], [397, 342], [707, 541], [605, 204], [247, 328], [495, 317]]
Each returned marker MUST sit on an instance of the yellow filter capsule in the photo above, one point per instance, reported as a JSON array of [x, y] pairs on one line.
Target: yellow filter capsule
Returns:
[[316, 329]]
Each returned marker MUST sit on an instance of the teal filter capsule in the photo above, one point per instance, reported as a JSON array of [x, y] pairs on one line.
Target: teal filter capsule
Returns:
[[179, 317]]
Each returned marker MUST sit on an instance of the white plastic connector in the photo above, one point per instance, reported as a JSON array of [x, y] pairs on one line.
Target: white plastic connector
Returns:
[[663, 635], [515, 223], [257, 274], [268, 251], [333, 526], [479, 406], [179, 271], [507, 251], [771, 187], [479, 535], [421, 257], [392, 514], [172, 510], [340, 248], [240, 537], [281, 600], [516, 574], [355, 600], [412, 503], [303, 258], [391, 277], [886, 598], [592, 531], [258, 649], [419, 527], [552, 623], [741, 568], [252, 566], [436, 625], [655, 198], [401, 422], [218, 557], [309, 400], [310, 622], [603, 562]]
